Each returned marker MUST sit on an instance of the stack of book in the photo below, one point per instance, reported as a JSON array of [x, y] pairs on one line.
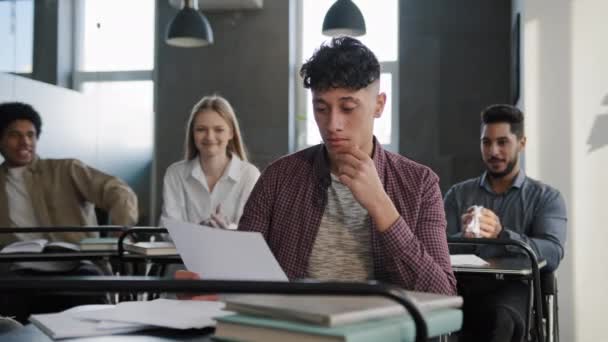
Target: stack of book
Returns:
[[151, 248], [99, 244], [333, 318]]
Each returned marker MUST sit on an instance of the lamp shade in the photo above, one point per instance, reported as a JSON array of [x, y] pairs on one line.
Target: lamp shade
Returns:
[[189, 28], [344, 19]]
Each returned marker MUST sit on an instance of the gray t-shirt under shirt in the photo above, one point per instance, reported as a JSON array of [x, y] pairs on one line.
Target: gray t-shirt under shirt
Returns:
[[342, 249]]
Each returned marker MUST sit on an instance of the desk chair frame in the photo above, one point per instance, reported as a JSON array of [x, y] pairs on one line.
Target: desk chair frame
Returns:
[[132, 232], [549, 289], [536, 279]]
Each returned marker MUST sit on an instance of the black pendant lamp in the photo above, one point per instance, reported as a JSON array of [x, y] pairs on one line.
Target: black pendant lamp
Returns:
[[344, 19], [189, 28]]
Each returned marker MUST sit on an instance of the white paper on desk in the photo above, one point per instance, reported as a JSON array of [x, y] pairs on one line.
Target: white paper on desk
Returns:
[[221, 254], [66, 324], [168, 313], [467, 260], [111, 325]]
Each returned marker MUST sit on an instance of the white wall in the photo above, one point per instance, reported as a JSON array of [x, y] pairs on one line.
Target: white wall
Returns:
[[565, 83], [114, 138]]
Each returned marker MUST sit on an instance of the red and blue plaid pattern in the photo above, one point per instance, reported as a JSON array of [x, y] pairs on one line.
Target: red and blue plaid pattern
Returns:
[[288, 201]]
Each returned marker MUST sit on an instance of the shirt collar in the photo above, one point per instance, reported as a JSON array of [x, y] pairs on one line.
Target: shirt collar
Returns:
[[233, 170], [517, 183], [33, 166]]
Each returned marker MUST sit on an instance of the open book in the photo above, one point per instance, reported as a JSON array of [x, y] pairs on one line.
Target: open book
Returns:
[[39, 246], [42, 246]]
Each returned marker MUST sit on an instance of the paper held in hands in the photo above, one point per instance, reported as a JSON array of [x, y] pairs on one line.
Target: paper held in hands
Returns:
[[473, 226], [224, 254]]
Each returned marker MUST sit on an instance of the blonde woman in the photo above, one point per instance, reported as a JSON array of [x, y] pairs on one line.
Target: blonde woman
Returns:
[[211, 185]]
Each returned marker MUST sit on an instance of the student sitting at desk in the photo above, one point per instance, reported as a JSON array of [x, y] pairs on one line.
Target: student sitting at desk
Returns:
[[38, 192], [211, 185], [347, 209], [515, 207]]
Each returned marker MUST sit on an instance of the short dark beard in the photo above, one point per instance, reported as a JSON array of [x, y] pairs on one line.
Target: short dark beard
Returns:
[[508, 169]]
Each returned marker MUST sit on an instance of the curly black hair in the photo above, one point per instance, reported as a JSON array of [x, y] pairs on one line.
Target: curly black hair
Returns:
[[504, 113], [343, 63], [12, 111]]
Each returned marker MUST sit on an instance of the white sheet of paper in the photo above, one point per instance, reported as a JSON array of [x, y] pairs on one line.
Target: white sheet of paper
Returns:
[[221, 254], [169, 313], [467, 260], [67, 324], [112, 325]]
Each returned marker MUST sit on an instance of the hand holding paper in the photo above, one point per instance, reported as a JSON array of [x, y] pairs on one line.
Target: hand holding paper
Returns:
[[187, 275]]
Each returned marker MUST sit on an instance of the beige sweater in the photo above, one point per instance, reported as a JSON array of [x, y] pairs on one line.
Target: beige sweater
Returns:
[[64, 192]]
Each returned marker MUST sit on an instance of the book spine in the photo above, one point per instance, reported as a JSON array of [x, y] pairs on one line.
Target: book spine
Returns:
[[399, 331]]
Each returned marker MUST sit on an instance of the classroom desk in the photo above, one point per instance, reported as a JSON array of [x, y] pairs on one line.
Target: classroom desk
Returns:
[[527, 266], [506, 266], [119, 255], [31, 333], [86, 255], [128, 257], [64, 229], [151, 284], [76, 255]]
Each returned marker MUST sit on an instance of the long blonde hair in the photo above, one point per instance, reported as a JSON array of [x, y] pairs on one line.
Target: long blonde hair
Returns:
[[221, 106]]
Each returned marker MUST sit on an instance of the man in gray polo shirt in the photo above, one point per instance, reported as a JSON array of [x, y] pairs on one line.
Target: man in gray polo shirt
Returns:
[[514, 206]]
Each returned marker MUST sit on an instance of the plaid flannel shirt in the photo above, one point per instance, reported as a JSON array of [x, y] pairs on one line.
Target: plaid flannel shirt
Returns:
[[288, 201]]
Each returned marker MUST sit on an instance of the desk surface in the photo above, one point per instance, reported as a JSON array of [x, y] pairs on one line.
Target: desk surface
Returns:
[[507, 265], [436, 323], [31, 333]]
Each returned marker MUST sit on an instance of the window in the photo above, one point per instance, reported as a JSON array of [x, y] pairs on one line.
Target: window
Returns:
[[133, 100], [115, 62], [16, 35], [382, 38], [118, 35]]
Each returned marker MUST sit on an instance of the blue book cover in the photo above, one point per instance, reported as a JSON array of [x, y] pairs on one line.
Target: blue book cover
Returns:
[[399, 328]]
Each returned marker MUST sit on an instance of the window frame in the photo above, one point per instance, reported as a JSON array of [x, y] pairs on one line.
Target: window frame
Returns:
[[301, 102]]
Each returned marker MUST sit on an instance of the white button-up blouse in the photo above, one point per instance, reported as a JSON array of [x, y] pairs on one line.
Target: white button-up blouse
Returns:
[[186, 195]]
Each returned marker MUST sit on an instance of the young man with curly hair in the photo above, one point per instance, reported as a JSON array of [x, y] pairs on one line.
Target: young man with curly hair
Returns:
[[37, 192], [347, 209]]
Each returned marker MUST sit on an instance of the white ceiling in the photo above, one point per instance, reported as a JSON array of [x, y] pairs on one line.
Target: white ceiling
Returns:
[[223, 5]]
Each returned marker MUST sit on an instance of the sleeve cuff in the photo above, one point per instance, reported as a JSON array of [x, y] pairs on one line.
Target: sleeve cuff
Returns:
[[397, 237]]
